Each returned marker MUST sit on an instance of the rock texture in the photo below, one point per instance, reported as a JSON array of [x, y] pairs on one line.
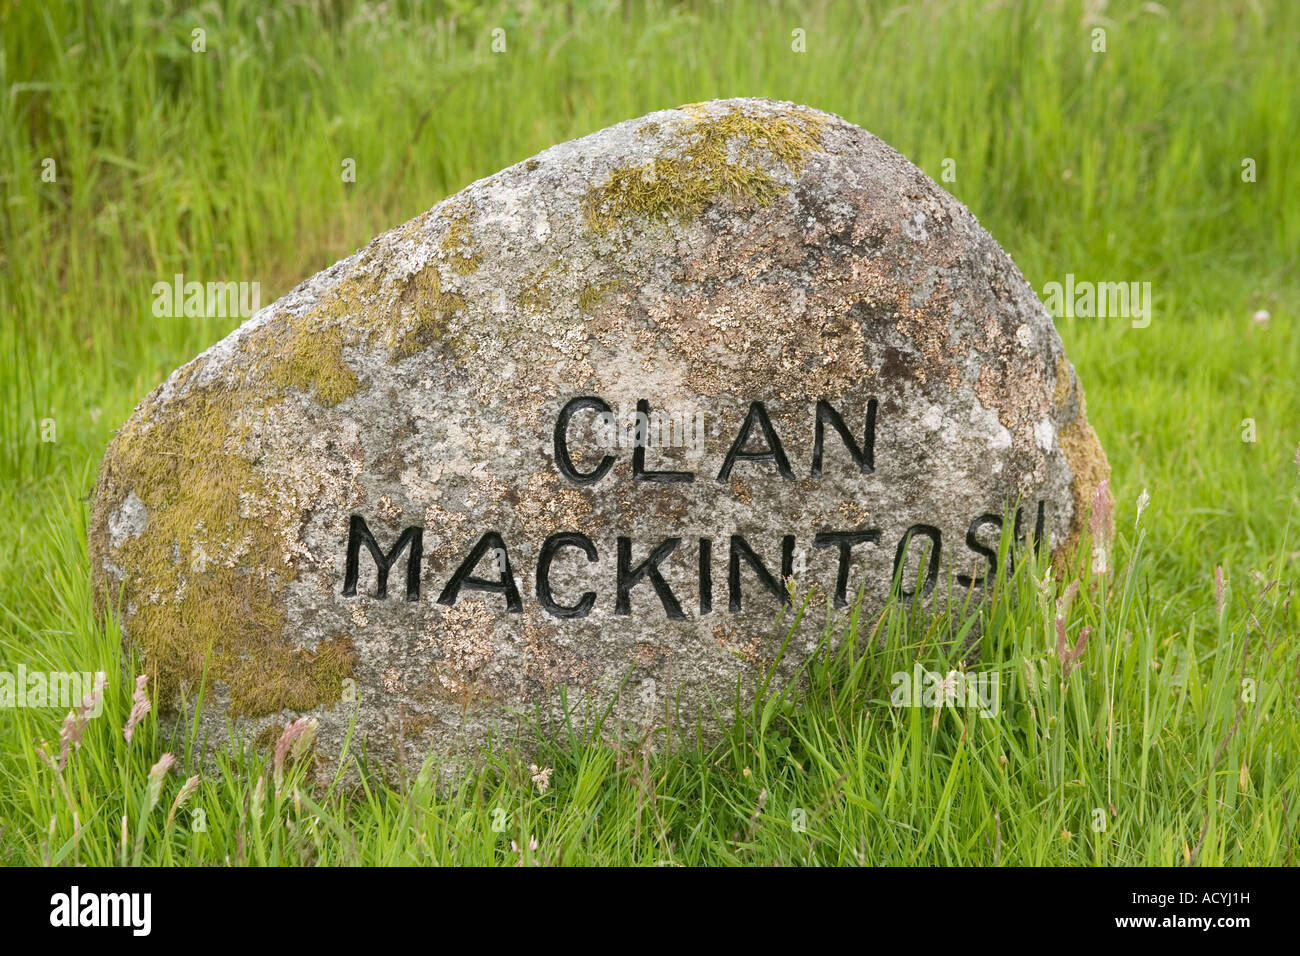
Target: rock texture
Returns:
[[743, 269]]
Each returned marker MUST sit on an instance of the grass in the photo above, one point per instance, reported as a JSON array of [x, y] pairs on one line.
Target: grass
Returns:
[[1175, 740]]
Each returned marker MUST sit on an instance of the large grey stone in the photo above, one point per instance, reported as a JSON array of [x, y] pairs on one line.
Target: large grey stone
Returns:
[[729, 262]]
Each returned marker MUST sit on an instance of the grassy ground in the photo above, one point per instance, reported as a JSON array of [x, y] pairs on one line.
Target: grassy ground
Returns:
[[1175, 740]]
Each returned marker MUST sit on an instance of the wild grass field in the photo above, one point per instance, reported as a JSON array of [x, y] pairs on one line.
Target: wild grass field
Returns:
[[1169, 158]]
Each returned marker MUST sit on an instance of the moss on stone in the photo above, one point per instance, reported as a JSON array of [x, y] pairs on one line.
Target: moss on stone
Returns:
[[433, 309], [267, 737], [1064, 383], [351, 304], [415, 725], [204, 580], [313, 359], [347, 298], [301, 680], [591, 294], [458, 243], [1084, 456], [542, 289], [721, 158], [1088, 469], [360, 309]]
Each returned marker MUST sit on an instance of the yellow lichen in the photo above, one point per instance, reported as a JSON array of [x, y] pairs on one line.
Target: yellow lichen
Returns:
[[458, 244], [721, 158], [593, 292]]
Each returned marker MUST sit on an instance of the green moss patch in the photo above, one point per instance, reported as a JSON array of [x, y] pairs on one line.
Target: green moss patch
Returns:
[[433, 310], [313, 362], [458, 244], [593, 292], [721, 158], [205, 580]]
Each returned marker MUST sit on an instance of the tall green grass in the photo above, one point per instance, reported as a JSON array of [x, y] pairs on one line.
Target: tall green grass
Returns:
[[1120, 166], [1152, 749]]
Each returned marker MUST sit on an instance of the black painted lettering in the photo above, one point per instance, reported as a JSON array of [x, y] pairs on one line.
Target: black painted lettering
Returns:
[[1040, 539], [638, 453], [844, 540], [989, 554], [563, 539], [562, 459], [1040, 528], [706, 576], [773, 452], [863, 456], [740, 549], [464, 577], [932, 561], [359, 534], [629, 577]]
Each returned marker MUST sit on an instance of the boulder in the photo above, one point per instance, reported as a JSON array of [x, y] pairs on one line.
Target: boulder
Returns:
[[587, 434]]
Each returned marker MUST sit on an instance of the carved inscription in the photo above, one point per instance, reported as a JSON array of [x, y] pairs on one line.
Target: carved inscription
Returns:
[[754, 571]]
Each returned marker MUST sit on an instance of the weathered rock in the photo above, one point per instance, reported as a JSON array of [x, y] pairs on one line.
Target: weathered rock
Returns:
[[832, 352]]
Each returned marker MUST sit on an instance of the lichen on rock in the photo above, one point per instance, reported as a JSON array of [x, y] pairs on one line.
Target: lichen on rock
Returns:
[[458, 243], [711, 158]]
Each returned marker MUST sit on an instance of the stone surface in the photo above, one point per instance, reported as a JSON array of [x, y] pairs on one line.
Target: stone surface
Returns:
[[733, 262]]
